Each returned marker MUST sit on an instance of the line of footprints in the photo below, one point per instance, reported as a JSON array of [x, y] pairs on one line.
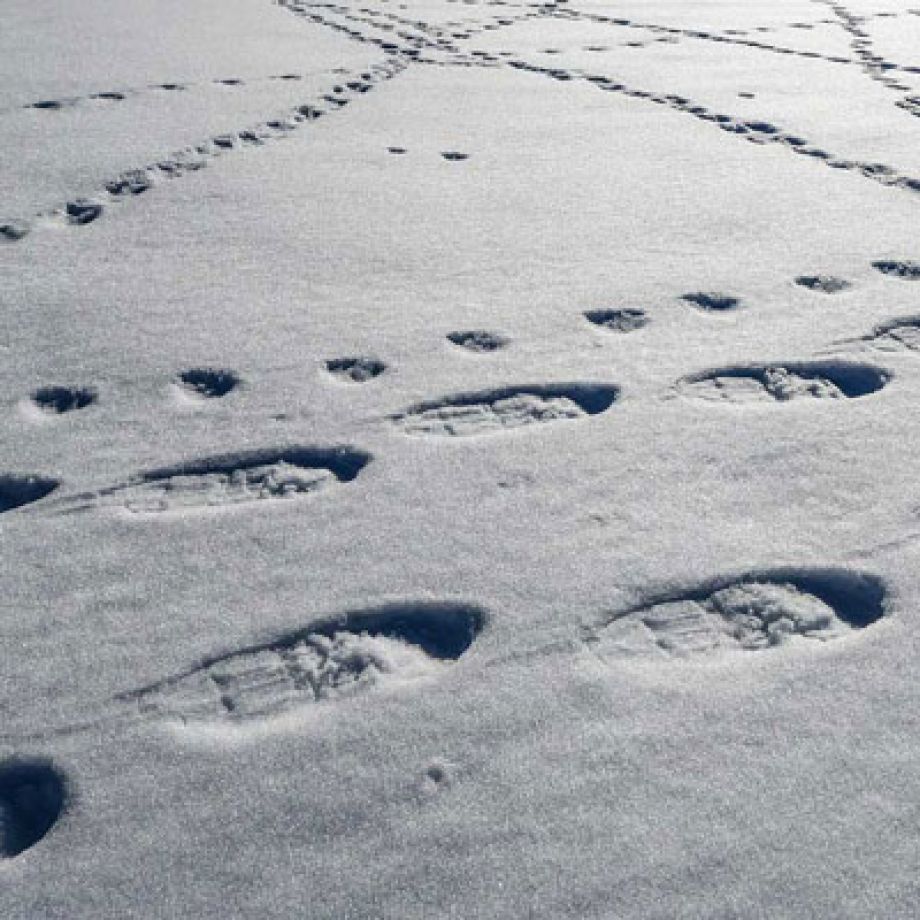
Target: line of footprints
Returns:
[[288, 472], [362, 651]]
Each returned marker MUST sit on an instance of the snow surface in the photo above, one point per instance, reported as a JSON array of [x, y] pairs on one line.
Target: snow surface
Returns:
[[457, 459]]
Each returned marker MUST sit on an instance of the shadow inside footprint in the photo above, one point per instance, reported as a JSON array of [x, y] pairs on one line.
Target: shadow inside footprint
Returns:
[[82, 211], [755, 612], [479, 341], [58, 400], [132, 182], [785, 382], [273, 475], [355, 369], [242, 478], [23, 489], [898, 334], [907, 270], [331, 659], [824, 284], [626, 320], [505, 409], [11, 231], [32, 797], [50, 105], [711, 301], [208, 382]]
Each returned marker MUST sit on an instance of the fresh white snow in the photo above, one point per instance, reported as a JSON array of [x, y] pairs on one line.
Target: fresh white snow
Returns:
[[457, 459]]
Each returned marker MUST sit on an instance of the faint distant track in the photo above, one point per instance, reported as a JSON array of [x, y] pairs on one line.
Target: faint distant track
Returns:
[[123, 93], [133, 182], [414, 36], [751, 130], [423, 43], [710, 36], [873, 65]]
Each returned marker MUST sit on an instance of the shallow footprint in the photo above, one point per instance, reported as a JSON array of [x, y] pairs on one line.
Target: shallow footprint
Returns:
[[11, 231], [232, 480], [208, 382], [626, 320], [711, 301], [824, 284], [785, 382], [505, 409], [756, 612], [328, 660], [56, 400], [479, 341], [32, 797], [907, 270], [82, 211], [356, 369]]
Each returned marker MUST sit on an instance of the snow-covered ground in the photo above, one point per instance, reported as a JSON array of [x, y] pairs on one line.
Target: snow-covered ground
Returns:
[[457, 459]]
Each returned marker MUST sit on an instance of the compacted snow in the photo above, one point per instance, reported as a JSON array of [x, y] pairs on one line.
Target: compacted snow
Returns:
[[457, 459]]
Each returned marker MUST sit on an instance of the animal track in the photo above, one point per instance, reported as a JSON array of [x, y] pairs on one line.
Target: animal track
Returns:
[[231, 480], [825, 284], [32, 797], [120, 95], [23, 489], [872, 64], [907, 270], [755, 612], [132, 182], [57, 400], [208, 382], [712, 302], [627, 320], [328, 660], [355, 370], [785, 382], [504, 409], [11, 231], [754, 132], [479, 341]]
